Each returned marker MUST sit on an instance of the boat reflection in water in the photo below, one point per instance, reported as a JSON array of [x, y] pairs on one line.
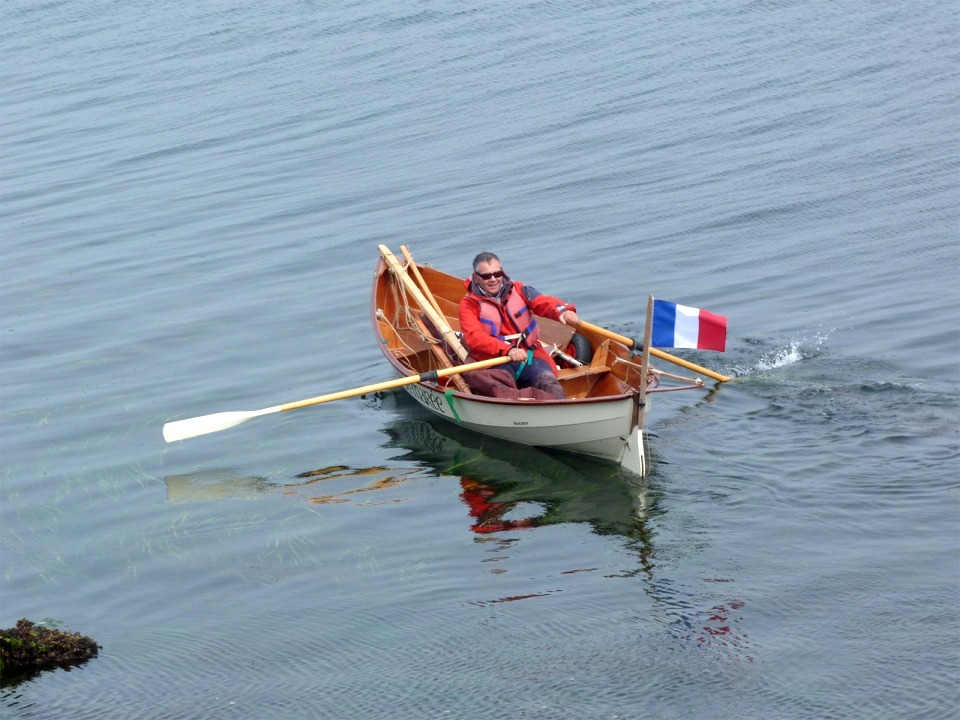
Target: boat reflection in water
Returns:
[[513, 487], [504, 486]]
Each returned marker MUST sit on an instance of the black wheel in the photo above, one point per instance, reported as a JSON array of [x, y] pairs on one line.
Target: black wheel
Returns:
[[580, 348]]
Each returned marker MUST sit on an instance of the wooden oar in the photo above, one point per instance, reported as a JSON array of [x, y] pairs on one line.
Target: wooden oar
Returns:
[[653, 351], [441, 355], [439, 321], [205, 424], [424, 288], [437, 350]]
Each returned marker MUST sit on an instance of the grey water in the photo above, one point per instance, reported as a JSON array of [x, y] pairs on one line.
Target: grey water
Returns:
[[192, 197]]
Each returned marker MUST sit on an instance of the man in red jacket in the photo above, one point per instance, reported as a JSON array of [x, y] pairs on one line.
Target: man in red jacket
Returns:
[[497, 319]]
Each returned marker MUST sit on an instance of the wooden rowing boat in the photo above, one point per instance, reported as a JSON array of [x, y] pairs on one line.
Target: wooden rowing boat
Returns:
[[607, 384], [414, 312]]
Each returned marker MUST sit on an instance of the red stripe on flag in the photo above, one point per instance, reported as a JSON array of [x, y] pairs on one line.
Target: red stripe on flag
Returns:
[[713, 332]]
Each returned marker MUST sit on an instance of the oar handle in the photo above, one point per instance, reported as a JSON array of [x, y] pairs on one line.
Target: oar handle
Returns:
[[629, 342], [653, 351]]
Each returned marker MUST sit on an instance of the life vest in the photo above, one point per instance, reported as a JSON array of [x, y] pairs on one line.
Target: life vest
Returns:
[[527, 331]]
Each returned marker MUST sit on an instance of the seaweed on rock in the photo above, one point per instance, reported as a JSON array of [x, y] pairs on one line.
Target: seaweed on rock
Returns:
[[28, 648]]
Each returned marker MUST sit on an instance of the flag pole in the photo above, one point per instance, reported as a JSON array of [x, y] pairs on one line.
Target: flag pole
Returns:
[[645, 357]]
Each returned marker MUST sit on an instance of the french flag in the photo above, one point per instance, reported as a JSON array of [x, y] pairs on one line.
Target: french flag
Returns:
[[679, 326]]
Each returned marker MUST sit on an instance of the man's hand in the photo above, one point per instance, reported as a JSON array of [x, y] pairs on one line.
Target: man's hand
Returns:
[[569, 317]]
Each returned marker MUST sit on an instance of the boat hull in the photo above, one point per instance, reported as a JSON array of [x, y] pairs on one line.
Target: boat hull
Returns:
[[606, 429]]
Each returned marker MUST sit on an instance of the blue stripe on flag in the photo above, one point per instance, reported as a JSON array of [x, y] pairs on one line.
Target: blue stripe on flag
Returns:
[[664, 322]]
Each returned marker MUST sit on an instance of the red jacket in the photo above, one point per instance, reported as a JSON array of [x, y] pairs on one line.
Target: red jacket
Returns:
[[477, 335]]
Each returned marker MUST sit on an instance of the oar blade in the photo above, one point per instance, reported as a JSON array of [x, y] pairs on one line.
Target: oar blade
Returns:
[[205, 424]]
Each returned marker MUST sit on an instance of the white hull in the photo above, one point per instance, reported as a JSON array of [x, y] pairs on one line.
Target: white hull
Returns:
[[608, 429]]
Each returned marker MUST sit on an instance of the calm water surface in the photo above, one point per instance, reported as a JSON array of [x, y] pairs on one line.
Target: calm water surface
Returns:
[[192, 196]]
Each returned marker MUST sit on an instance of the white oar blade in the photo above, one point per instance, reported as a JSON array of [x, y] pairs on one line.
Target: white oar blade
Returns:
[[205, 424]]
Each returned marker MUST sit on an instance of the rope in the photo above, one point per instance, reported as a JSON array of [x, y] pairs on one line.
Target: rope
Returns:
[[403, 301], [659, 373], [382, 316]]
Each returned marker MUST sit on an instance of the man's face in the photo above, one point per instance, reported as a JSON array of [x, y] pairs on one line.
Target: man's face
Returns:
[[491, 283]]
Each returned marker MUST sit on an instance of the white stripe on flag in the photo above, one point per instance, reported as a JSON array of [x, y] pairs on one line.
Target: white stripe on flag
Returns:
[[686, 331]]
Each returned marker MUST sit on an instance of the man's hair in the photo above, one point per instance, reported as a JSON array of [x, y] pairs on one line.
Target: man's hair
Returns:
[[484, 257]]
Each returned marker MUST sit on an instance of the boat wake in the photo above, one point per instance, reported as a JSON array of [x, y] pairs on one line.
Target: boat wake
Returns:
[[792, 353], [781, 357]]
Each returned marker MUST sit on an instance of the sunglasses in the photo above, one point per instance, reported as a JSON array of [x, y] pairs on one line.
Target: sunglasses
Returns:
[[487, 276]]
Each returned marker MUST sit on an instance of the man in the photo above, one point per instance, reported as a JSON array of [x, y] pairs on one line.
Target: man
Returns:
[[497, 319]]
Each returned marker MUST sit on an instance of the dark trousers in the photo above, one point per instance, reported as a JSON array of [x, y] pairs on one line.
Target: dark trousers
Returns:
[[537, 374]]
